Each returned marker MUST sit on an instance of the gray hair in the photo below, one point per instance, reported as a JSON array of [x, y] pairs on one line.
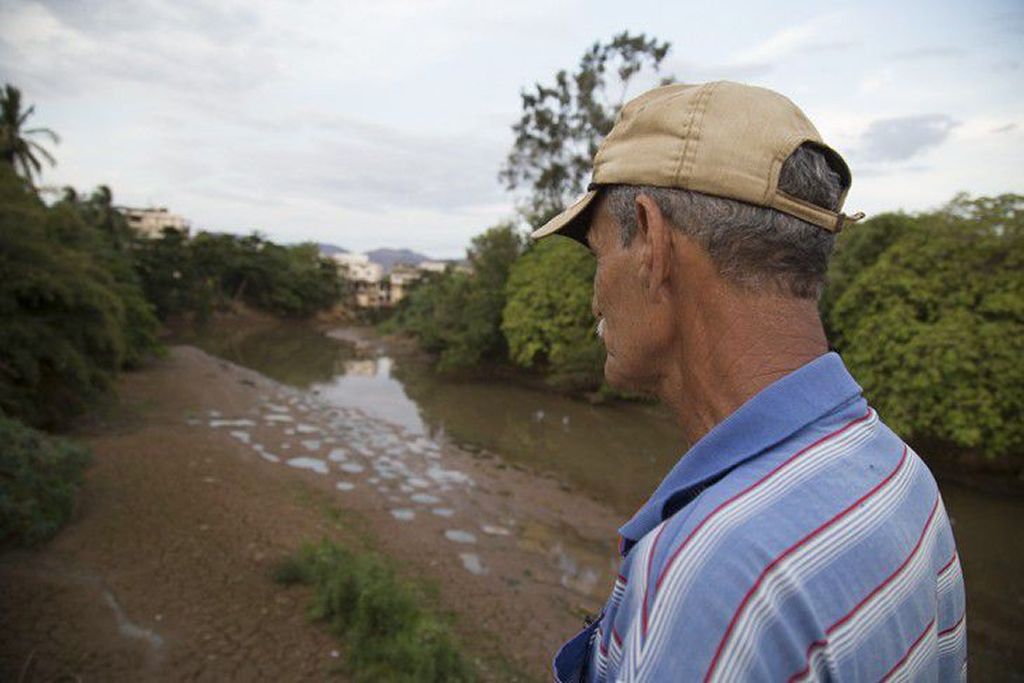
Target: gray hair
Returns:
[[753, 247]]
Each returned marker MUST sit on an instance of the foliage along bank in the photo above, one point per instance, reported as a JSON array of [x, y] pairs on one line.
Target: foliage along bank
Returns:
[[82, 298], [927, 310]]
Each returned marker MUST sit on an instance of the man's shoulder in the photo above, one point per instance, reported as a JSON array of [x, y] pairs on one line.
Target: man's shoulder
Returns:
[[765, 506], [751, 570]]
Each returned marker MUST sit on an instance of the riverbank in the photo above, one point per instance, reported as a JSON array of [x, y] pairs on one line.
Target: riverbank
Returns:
[[206, 474]]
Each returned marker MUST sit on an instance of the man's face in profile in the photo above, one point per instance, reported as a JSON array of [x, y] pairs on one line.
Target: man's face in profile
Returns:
[[626, 319]]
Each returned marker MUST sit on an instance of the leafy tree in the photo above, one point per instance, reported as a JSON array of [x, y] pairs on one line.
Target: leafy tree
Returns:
[[858, 249], [16, 149], [171, 277], [563, 123], [934, 327], [111, 243], [548, 320], [71, 315]]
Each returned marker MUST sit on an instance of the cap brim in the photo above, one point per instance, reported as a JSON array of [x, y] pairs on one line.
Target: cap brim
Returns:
[[566, 222]]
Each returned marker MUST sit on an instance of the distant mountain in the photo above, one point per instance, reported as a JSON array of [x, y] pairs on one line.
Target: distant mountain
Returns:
[[330, 249], [389, 257]]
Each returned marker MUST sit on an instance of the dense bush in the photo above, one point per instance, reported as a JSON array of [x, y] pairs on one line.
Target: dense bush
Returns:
[[548, 320], [39, 477], [195, 276], [389, 635], [932, 321], [71, 311], [458, 315]]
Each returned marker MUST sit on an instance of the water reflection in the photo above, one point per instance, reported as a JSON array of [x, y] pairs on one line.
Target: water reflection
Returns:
[[293, 354], [367, 384], [615, 454]]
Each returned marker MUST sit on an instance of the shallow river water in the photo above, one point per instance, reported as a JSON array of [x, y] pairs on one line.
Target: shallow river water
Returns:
[[614, 454]]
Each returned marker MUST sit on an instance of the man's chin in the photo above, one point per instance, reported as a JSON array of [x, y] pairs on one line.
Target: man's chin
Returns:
[[622, 381]]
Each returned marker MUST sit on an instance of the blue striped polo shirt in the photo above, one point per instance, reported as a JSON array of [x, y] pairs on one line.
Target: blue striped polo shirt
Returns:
[[799, 539]]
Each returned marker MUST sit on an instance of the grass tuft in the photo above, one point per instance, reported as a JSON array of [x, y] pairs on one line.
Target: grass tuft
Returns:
[[390, 635]]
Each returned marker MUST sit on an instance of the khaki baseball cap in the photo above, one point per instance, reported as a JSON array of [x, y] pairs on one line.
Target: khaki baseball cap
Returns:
[[720, 138]]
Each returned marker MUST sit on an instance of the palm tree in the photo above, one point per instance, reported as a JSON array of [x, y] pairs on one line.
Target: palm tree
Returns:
[[15, 147]]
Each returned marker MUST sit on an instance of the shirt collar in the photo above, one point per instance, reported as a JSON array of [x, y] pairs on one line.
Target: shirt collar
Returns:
[[773, 414]]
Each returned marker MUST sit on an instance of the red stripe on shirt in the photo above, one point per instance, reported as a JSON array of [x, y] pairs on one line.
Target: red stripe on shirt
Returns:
[[910, 651], [947, 565], [955, 626], [791, 549], [817, 644]]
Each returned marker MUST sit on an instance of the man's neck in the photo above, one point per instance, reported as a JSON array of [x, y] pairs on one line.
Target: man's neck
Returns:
[[726, 355]]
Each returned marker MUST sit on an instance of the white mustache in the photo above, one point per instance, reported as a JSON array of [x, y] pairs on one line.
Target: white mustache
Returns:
[[599, 330]]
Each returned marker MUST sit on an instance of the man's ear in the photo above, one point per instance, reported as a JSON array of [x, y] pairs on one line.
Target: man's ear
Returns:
[[654, 234]]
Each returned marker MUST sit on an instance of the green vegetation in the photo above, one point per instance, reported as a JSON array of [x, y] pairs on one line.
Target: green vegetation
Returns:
[[199, 275], [16, 149], [81, 299], [73, 313], [548, 320], [82, 295], [929, 315], [927, 310], [457, 315], [389, 634], [39, 477], [563, 122]]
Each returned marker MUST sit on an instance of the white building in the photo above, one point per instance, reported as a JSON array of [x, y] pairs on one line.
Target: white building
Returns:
[[401, 278], [433, 266], [152, 222], [366, 277], [370, 286]]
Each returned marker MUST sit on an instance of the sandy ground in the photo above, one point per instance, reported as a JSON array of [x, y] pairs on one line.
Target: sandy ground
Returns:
[[206, 474]]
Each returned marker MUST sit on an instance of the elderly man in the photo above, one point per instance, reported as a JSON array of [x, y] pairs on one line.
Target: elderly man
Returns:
[[798, 538]]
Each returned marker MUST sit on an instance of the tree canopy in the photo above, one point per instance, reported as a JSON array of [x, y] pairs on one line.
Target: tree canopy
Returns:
[[929, 314], [563, 122], [72, 311], [548, 320]]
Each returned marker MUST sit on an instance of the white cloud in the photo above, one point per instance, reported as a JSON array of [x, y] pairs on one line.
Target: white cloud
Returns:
[[816, 33]]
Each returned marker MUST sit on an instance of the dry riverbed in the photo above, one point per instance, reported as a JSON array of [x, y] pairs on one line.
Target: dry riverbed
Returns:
[[206, 474]]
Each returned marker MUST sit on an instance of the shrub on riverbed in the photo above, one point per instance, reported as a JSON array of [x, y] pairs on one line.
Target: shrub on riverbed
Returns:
[[389, 634], [39, 477]]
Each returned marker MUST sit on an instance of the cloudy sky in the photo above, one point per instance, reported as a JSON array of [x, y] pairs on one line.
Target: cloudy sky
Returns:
[[385, 122]]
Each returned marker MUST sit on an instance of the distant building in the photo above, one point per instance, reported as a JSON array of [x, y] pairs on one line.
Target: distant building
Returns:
[[366, 278], [402, 276], [372, 288], [433, 266], [152, 222]]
